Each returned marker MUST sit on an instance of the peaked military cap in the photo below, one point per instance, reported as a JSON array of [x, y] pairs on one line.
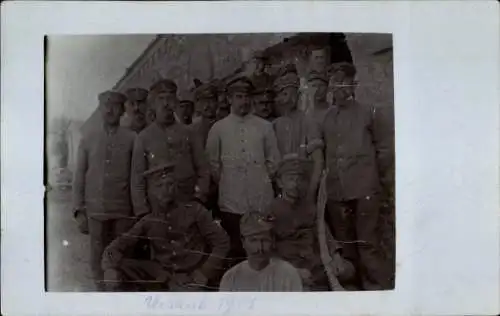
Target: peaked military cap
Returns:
[[161, 171], [254, 223], [287, 77], [112, 96], [186, 101], [206, 91], [163, 85], [315, 75], [348, 69], [264, 91], [293, 164], [240, 84], [136, 94]]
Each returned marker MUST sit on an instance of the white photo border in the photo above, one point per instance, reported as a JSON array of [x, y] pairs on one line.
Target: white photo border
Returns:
[[446, 61]]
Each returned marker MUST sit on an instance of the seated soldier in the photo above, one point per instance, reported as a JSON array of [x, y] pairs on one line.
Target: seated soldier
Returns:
[[187, 246], [260, 272], [294, 229]]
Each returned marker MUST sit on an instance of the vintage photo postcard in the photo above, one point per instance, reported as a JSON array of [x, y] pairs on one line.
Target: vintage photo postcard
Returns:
[[195, 158]]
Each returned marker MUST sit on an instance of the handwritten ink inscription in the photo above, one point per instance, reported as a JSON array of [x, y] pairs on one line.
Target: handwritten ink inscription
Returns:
[[225, 305]]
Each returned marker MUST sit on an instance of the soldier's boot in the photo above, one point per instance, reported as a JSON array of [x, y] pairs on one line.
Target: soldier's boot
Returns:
[[112, 281]]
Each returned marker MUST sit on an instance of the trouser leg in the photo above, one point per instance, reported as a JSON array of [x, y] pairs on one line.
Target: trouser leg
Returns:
[[97, 232], [136, 275], [340, 220], [371, 259], [231, 223]]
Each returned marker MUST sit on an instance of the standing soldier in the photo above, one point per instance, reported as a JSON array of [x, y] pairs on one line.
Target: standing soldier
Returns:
[[296, 134], [260, 78], [223, 108], [263, 104], [188, 246], [166, 140], [318, 85], [135, 109], [355, 159], [243, 154], [101, 189], [206, 101]]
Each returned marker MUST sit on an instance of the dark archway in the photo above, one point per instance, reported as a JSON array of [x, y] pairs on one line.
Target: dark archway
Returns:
[[339, 50]]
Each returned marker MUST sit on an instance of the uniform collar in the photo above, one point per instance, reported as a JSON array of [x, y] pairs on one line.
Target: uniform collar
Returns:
[[241, 119]]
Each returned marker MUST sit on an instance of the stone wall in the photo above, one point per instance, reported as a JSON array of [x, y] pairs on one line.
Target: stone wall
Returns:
[[373, 58]]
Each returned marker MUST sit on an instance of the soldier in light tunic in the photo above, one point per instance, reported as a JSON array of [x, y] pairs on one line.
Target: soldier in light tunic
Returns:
[[243, 154], [262, 272]]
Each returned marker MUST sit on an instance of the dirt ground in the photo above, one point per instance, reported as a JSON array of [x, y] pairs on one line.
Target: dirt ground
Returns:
[[67, 262]]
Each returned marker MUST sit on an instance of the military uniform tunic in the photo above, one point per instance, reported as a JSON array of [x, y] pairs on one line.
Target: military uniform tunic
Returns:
[[244, 154], [102, 176], [155, 146], [294, 229], [182, 240], [296, 130], [353, 151]]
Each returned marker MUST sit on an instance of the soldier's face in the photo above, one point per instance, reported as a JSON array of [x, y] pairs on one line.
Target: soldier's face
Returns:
[[260, 66], [258, 246], [112, 111], [342, 88], [319, 89], [185, 112], [318, 59], [164, 191], [293, 185], [137, 110], [240, 103], [263, 106], [286, 100], [165, 103], [207, 107]]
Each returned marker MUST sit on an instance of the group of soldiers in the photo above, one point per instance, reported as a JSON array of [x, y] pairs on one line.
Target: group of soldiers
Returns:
[[221, 192]]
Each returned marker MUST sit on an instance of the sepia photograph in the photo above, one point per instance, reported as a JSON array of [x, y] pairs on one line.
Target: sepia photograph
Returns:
[[246, 162], [250, 158]]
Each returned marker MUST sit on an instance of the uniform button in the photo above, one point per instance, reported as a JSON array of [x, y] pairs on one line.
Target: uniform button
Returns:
[[168, 215], [174, 253], [169, 227], [172, 241], [108, 161]]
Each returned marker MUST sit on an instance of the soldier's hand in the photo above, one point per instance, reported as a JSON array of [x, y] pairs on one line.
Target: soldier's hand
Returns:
[[306, 276], [110, 258], [81, 219], [199, 278], [342, 268]]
